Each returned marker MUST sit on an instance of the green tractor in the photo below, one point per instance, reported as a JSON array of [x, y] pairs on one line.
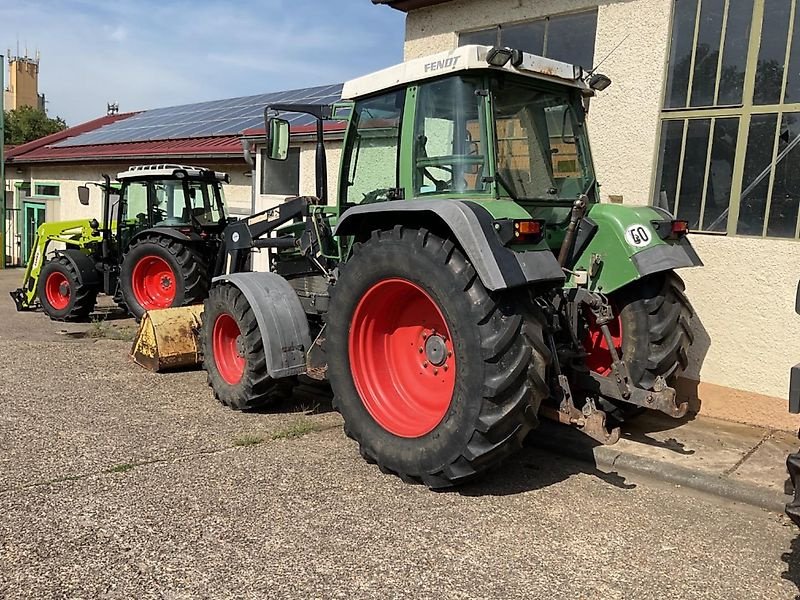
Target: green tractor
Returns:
[[160, 233], [466, 279]]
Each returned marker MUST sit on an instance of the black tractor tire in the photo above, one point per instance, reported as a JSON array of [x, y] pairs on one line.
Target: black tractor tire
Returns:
[[497, 344], [247, 387], [189, 272], [69, 299], [656, 328]]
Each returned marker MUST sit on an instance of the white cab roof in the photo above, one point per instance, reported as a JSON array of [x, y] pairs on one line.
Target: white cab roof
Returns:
[[463, 58], [168, 170]]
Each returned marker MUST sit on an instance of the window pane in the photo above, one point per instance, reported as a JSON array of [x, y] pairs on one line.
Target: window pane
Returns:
[[772, 52], [45, 189], [136, 201], [786, 188], [734, 54], [707, 52], [793, 78], [484, 37], [680, 53], [528, 37], [694, 169], [449, 152], [669, 155], [371, 163], [718, 189], [571, 38], [756, 174], [281, 177]]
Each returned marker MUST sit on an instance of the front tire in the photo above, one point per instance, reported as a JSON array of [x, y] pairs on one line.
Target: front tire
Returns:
[[61, 292], [437, 379], [161, 272], [233, 353]]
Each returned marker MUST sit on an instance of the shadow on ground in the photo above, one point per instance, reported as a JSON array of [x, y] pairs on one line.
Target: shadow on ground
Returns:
[[792, 560]]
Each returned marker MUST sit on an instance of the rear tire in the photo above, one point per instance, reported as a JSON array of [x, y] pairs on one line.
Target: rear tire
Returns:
[[62, 294], [161, 272], [233, 353], [405, 418]]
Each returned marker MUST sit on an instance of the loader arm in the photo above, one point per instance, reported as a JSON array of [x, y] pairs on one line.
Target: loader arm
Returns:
[[74, 234]]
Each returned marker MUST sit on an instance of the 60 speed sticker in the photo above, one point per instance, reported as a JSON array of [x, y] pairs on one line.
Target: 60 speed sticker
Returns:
[[637, 235]]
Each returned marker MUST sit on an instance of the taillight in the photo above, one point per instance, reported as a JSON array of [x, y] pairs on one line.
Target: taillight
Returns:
[[528, 231], [680, 228]]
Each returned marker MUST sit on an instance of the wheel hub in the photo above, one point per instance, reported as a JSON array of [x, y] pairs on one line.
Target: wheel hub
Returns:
[[435, 349], [63, 288]]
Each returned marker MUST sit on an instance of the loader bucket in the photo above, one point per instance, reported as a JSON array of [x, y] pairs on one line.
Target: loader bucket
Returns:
[[168, 338]]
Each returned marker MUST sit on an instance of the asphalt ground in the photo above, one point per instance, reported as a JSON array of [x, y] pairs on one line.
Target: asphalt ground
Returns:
[[120, 483]]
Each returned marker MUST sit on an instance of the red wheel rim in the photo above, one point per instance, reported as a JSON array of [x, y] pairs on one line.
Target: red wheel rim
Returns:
[[153, 283], [57, 290], [228, 346], [599, 359], [401, 358]]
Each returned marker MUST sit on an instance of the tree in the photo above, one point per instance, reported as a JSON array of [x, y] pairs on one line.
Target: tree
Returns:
[[26, 123]]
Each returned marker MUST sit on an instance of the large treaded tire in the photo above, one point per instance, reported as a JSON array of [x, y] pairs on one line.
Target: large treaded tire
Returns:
[[187, 264], [500, 360], [255, 389], [656, 331], [81, 300]]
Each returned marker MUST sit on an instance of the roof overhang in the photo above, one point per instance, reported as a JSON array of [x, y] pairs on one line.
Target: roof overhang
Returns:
[[407, 5]]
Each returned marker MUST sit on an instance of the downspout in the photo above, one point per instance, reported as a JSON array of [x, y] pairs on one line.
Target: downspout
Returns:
[[247, 151]]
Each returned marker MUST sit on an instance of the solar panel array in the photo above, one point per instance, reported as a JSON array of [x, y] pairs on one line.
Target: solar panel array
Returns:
[[218, 117]]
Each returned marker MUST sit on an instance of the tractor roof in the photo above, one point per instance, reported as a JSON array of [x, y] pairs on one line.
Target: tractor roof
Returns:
[[464, 58], [171, 171]]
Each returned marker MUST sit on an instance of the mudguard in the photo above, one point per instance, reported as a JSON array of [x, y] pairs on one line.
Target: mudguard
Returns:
[[281, 320], [472, 226], [626, 246], [84, 265], [168, 232]]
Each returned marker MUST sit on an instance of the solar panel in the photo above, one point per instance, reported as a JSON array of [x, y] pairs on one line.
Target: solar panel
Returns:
[[230, 116]]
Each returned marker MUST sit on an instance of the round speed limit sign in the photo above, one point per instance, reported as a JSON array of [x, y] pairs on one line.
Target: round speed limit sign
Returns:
[[638, 235]]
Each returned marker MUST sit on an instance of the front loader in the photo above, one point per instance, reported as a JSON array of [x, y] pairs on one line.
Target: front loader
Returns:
[[465, 279], [159, 234]]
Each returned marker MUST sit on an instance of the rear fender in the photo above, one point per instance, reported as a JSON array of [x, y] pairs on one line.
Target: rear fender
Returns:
[[627, 247], [169, 232], [472, 227], [281, 320]]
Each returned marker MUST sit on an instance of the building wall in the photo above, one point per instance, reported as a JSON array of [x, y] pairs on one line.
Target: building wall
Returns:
[[745, 327]]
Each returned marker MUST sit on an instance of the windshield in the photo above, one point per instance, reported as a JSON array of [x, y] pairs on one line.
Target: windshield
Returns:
[[172, 207], [541, 147]]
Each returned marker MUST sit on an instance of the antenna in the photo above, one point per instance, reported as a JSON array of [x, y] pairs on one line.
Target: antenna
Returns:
[[614, 49]]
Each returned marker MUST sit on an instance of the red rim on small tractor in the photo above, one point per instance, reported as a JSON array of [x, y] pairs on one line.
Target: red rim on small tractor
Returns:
[[57, 290], [228, 346], [599, 359], [401, 358], [153, 283]]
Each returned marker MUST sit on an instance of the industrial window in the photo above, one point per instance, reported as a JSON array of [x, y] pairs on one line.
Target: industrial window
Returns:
[[281, 177], [569, 38], [46, 189], [728, 160]]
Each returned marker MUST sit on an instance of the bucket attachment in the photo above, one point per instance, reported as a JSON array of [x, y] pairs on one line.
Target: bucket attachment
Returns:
[[168, 338]]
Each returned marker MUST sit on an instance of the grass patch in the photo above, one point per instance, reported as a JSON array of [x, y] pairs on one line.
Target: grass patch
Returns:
[[247, 439], [103, 330], [121, 468], [295, 430]]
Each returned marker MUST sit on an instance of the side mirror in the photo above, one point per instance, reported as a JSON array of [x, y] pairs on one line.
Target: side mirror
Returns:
[[277, 139], [83, 194]]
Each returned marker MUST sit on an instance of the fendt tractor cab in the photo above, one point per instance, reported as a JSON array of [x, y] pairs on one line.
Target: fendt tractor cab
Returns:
[[465, 274], [153, 248]]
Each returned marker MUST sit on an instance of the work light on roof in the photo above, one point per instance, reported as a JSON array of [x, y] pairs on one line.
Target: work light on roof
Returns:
[[598, 82], [498, 57]]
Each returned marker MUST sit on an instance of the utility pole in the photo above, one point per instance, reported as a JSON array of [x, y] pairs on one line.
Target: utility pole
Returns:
[[4, 228]]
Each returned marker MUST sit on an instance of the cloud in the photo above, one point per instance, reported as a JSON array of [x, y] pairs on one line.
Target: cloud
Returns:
[[150, 53]]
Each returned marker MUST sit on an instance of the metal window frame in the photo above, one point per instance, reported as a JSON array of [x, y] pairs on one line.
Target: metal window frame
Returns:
[[35, 184], [744, 111]]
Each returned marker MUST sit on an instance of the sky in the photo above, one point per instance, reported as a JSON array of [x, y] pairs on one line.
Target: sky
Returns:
[[148, 54]]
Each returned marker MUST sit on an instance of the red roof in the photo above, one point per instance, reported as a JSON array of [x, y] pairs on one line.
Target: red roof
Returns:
[[54, 138], [205, 147]]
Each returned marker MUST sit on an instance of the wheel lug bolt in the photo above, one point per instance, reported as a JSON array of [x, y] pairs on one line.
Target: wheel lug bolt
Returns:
[[436, 371], [449, 353], [421, 350], [425, 364], [445, 367]]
